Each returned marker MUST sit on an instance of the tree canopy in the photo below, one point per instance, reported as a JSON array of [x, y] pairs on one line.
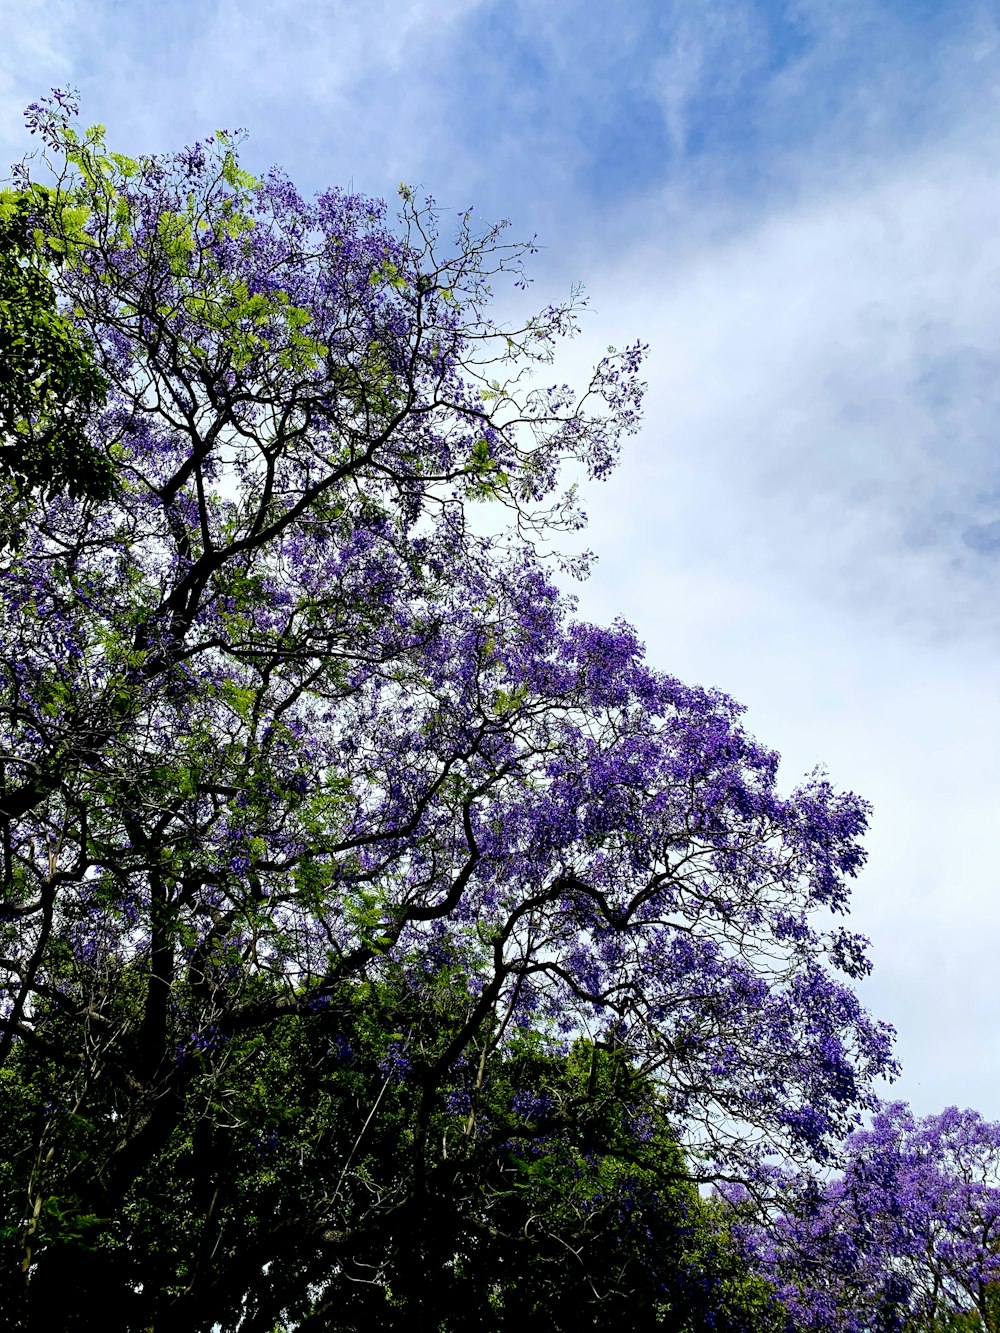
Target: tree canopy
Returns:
[[361, 904]]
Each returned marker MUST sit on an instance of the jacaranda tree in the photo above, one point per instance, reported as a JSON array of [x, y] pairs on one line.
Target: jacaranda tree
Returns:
[[907, 1235], [321, 816]]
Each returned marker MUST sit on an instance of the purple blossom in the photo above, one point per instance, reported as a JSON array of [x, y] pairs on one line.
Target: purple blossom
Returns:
[[286, 722]]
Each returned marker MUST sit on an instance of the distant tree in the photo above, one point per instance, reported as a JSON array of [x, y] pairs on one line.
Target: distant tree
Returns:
[[907, 1236], [292, 751]]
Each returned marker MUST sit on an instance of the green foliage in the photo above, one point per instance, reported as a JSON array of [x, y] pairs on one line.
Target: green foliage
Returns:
[[49, 382], [541, 1210], [983, 1319]]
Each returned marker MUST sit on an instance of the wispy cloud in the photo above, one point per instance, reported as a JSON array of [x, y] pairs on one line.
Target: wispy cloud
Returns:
[[834, 370], [710, 52], [322, 88], [810, 517], [36, 52]]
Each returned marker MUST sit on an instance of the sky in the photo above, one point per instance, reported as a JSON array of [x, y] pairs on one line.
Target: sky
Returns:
[[795, 205]]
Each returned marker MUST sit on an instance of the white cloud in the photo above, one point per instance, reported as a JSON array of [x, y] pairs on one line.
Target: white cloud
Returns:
[[793, 526], [350, 83], [35, 54], [831, 377]]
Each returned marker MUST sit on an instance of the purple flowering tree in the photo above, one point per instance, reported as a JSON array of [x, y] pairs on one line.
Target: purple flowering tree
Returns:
[[279, 723], [906, 1234]]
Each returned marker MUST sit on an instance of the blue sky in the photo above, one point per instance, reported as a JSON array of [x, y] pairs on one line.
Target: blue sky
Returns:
[[796, 205]]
